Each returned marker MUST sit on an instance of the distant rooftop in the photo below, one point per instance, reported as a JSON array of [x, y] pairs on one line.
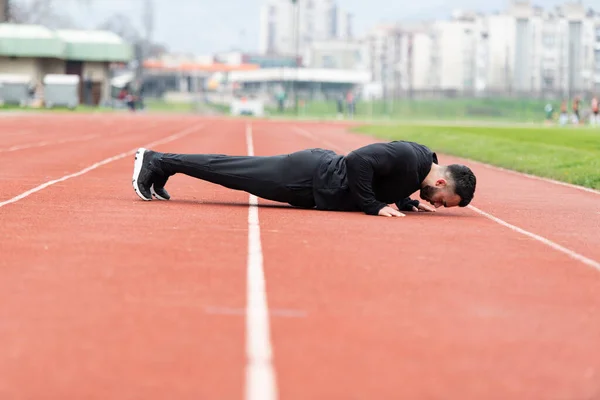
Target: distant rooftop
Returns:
[[22, 31], [17, 40], [77, 36], [29, 41]]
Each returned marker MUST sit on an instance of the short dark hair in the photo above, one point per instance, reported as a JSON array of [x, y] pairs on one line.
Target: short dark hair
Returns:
[[464, 183]]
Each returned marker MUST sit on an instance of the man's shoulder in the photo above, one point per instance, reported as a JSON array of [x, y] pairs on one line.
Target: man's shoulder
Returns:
[[409, 143], [413, 147], [420, 151], [398, 148]]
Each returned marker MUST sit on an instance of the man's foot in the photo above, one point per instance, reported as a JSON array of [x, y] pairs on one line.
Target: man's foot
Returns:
[[158, 188], [142, 176], [148, 178]]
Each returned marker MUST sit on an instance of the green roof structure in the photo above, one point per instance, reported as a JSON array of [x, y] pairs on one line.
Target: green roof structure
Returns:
[[94, 46], [29, 41], [80, 45]]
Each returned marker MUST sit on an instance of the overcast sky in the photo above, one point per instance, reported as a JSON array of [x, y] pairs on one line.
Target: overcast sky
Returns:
[[206, 26]]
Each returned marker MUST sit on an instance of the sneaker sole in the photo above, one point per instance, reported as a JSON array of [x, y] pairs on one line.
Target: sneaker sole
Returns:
[[156, 195], [137, 168]]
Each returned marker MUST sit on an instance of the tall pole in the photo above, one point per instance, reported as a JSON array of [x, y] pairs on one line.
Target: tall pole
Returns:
[[148, 20], [297, 33], [4, 11], [143, 46], [144, 49]]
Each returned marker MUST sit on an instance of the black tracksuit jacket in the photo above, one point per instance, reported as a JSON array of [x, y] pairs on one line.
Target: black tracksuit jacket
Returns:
[[372, 176]]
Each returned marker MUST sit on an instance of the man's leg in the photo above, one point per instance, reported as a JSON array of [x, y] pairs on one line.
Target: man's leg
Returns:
[[284, 178]]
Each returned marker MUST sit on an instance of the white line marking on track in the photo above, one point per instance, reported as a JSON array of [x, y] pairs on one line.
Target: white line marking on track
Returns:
[[536, 178], [47, 143], [19, 133], [548, 242], [9, 114], [99, 164], [44, 143], [312, 136], [260, 375], [284, 313]]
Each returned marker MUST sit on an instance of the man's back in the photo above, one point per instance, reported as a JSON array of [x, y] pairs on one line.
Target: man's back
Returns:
[[373, 175]]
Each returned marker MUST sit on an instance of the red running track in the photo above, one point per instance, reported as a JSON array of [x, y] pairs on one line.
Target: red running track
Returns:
[[105, 296]]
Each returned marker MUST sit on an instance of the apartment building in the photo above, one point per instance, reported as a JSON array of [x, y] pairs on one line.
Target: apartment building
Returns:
[[592, 59], [385, 52], [596, 57], [339, 54], [454, 49], [533, 50], [525, 49], [287, 28], [414, 60]]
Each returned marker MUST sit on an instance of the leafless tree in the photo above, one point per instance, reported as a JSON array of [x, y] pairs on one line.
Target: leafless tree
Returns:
[[41, 12], [122, 26], [148, 19]]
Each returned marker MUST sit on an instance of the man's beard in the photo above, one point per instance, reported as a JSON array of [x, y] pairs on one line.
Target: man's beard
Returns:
[[427, 193]]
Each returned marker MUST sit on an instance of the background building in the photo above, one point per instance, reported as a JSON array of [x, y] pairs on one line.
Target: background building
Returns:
[[33, 51], [524, 50], [338, 54], [288, 29]]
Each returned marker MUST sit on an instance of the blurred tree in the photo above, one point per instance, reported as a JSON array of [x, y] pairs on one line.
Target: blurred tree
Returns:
[[41, 12], [122, 26]]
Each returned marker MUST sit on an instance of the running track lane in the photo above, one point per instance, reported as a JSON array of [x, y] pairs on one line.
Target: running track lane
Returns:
[[18, 131], [106, 296], [27, 168], [445, 305]]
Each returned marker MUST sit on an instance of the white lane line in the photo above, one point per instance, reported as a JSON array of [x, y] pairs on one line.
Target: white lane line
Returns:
[[536, 178], [47, 143], [101, 163], [18, 133], [260, 375], [283, 313], [547, 242], [44, 143], [330, 145]]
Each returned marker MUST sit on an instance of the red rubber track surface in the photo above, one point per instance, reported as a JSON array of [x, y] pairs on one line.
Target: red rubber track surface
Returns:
[[103, 295], [445, 305]]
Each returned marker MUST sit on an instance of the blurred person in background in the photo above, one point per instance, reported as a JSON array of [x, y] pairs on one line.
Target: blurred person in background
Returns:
[[594, 118]]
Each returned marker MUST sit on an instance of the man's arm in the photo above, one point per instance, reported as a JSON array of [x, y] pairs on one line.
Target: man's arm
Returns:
[[365, 163]]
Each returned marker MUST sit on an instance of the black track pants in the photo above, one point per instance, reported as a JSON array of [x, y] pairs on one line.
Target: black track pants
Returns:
[[284, 178]]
